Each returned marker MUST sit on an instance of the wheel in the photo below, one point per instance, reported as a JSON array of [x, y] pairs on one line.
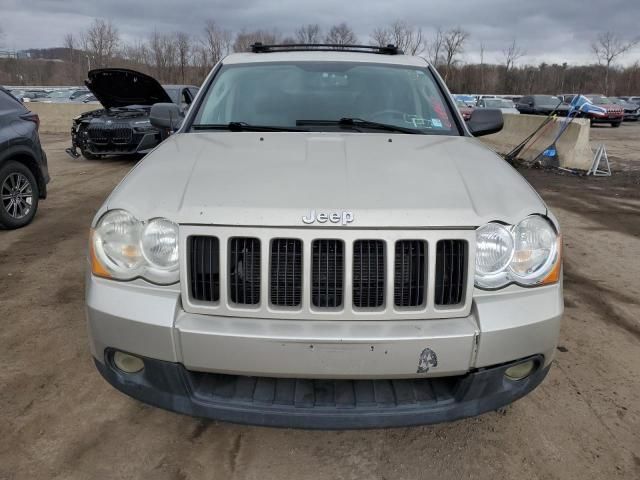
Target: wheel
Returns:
[[18, 195], [89, 156], [591, 122], [616, 124]]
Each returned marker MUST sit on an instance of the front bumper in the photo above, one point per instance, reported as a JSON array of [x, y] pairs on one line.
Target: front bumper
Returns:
[[321, 404], [181, 349]]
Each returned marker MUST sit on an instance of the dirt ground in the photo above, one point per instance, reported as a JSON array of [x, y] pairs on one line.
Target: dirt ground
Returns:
[[60, 420]]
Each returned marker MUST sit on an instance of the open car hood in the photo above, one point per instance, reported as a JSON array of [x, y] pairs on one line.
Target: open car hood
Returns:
[[120, 87]]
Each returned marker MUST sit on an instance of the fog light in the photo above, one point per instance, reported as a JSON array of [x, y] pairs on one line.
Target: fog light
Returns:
[[520, 371], [127, 363]]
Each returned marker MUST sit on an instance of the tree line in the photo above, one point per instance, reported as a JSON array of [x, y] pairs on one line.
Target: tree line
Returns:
[[181, 57]]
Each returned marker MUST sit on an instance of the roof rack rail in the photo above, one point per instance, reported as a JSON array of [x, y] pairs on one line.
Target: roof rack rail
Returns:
[[390, 49]]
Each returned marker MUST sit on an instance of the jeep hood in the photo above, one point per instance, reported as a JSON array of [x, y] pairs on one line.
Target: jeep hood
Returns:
[[274, 179], [120, 87]]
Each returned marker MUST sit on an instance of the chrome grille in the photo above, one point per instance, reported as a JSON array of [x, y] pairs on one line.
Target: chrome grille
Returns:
[[244, 270], [117, 133], [204, 278], [286, 272], [327, 274], [368, 273], [450, 272], [410, 270]]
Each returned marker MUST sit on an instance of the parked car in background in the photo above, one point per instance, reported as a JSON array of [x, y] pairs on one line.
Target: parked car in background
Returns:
[[542, 105], [631, 99], [631, 110], [122, 127], [502, 104], [23, 163], [27, 96], [614, 113], [470, 100], [65, 95], [465, 109]]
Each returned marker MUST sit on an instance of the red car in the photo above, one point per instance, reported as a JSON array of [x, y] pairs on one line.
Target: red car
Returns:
[[465, 109], [614, 115]]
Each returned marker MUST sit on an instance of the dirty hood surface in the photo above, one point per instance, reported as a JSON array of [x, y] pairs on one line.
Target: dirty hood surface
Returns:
[[274, 179]]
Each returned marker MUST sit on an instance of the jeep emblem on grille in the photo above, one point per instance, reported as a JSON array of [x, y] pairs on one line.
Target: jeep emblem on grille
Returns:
[[342, 217]]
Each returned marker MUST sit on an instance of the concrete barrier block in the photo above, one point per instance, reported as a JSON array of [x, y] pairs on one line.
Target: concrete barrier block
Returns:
[[574, 150]]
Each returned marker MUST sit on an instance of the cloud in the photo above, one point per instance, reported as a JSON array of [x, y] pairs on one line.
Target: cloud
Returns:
[[548, 30]]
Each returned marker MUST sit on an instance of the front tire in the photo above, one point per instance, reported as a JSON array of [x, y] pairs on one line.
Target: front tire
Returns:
[[19, 195]]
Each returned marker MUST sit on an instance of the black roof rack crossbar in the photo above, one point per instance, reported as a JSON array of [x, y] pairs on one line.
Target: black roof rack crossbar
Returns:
[[259, 47]]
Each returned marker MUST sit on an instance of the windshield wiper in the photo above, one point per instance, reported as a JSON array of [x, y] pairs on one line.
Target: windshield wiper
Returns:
[[245, 127], [360, 122]]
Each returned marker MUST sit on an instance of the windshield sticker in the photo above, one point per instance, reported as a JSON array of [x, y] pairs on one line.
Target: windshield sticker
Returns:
[[436, 122]]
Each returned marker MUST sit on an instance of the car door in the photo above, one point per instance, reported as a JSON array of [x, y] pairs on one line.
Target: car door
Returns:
[[525, 105]]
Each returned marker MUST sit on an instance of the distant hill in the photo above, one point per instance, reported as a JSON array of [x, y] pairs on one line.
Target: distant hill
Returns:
[[56, 53]]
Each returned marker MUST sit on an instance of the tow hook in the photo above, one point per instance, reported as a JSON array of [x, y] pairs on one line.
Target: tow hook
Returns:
[[72, 152]]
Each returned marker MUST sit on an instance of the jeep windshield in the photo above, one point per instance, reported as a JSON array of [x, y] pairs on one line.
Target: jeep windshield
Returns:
[[326, 96]]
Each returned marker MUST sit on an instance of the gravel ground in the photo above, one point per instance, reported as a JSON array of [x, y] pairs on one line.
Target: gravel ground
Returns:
[[59, 419]]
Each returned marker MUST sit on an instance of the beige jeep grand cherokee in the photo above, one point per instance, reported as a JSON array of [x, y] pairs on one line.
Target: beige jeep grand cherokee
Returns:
[[322, 243]]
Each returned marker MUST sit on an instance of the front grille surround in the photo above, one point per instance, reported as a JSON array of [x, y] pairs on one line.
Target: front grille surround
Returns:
[[347, 310]]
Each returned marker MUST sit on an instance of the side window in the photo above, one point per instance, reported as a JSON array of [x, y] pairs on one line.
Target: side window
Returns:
[[193, 92], [185, 97], [526, 100]]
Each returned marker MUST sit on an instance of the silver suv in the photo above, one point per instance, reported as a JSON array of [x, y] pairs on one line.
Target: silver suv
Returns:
[[322, 243]]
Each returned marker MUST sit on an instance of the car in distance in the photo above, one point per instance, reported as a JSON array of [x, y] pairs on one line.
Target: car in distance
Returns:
[[323, 243], [465, 109], [631, 110], [122, 127], [23, 164], [502, 104], [542, 105], [614, 113], [631, 99]]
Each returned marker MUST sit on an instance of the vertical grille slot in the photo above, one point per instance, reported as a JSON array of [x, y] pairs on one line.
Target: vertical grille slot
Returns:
[[409, 275], [327, 273], [368, 273], [451, 265], [286, 272], [204, 268], [244, 270]]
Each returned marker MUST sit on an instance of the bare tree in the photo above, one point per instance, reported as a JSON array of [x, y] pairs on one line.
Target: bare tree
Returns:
[[69, 43], [399, 33], [245, 39], [100, 42], [481, 67], [1, 35], [183, 47], [310, 33], [453, 45], [217, 42], [512, 54], [341, 34], [607, 47], [435, 48]]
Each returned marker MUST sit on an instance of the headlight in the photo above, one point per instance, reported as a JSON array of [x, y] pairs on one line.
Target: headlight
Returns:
[[124, 248], [526, 254]]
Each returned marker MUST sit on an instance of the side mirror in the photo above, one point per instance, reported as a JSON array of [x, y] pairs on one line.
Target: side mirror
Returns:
[[485, 121], [166, 116]]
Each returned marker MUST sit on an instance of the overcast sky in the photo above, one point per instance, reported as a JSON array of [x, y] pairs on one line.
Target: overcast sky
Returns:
[[549, 30]]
